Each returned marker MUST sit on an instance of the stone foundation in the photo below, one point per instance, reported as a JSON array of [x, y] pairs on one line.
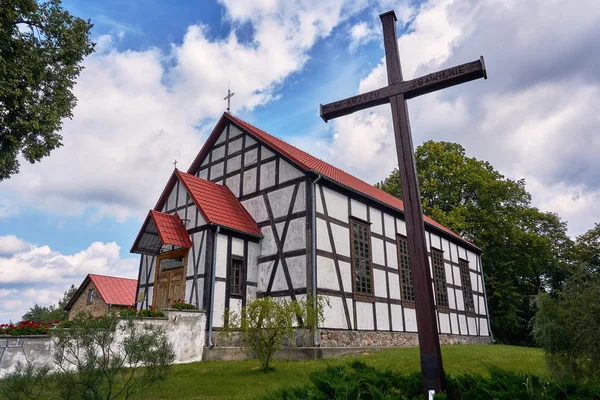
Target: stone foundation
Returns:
[[343, 338], [302, 338]]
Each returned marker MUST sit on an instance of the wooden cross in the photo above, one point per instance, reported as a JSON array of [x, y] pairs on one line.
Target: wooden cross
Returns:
[[396, 93], [228, 98]]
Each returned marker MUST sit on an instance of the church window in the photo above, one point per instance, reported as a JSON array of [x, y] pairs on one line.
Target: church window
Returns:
[[406, 282], [235, 277], [91, 294], [465, 279], [439, 278], [361, 259]]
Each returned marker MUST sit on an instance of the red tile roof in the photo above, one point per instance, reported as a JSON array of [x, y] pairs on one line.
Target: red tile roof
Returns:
[[115, 291], [310, 163], [171, 229], [218, 204]]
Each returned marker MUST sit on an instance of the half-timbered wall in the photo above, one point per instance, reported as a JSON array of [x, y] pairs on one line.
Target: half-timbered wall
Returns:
[[385, 310]]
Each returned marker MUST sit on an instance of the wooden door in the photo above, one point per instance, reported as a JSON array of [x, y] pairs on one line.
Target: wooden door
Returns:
[[176, 285], [161, 299], [169, 281]]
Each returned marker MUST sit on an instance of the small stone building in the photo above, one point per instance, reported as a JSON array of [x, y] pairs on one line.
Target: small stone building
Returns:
[[99, 294]]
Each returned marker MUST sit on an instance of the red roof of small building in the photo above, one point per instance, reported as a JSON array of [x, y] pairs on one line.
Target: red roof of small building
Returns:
[[114, 290], [218, 204], [171, 229]]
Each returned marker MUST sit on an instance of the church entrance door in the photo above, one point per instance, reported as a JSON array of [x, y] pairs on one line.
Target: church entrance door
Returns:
[[169, 282]]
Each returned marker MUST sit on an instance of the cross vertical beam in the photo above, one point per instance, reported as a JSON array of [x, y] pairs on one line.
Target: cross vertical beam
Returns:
[[432, 370]]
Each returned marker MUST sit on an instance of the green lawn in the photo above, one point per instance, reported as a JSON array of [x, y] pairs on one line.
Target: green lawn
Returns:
[[242, 379]]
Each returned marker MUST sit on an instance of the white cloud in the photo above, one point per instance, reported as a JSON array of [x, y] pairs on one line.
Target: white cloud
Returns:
[[37, 274], [10, 244], [361, 34]]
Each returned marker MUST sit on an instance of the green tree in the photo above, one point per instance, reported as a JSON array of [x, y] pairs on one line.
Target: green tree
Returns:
[[51, 313], [41, 49], [587, 249], [524, 250]]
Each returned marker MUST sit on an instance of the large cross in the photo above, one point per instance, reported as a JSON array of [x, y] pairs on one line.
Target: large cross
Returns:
[[228, 98], [396, 93]]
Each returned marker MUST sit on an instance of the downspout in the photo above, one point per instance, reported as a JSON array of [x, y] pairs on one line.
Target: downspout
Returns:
[[316, 338], [212, 288], [487, 312]]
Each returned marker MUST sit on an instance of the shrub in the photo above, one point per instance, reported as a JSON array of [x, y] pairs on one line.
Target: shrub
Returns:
[[567, 327], [266, 323], [150, 312], [180, 304], [25, 328]]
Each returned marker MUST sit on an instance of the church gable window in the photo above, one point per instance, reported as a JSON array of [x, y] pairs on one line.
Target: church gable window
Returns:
[[361, 258], [235, 276], [439, 277], [406, 282], [91, 294], [465, 279]]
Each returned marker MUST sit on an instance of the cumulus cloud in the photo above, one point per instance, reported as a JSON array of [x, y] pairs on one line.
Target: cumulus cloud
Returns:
[[32, 274]]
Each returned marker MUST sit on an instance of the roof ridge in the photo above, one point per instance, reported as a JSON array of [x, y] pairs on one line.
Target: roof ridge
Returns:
[[112, 277]]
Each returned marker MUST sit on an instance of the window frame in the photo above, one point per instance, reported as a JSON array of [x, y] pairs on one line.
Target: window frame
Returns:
[[90, 295], [442, 269], [405, 302], [466, 273], [353, 257], [230, 277]]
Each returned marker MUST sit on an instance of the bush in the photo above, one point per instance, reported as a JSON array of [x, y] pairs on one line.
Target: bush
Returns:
[[266, 323], [180, 304], [150, 312], [25, 328], [567, 327], [359, 381]]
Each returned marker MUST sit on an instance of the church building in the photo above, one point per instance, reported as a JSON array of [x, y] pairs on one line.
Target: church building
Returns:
[[255, 216]]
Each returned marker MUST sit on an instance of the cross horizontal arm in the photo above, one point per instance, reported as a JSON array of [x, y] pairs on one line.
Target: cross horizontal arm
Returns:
[[413, 88]]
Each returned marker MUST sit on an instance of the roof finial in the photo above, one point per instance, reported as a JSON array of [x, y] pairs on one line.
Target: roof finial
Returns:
[[228, 97], [175, 164]]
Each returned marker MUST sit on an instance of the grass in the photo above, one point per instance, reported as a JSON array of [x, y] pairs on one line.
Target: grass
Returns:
[[243, 379]]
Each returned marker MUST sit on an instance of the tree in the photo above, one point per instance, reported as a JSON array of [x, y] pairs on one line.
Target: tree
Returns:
[[51, 313], [587, 249], [525, 251], [41, 49]]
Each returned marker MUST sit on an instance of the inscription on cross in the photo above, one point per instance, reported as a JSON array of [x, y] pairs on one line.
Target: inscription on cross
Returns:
[[396, 93]]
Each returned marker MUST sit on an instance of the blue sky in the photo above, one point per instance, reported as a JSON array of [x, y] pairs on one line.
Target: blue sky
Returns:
[[155, 87]]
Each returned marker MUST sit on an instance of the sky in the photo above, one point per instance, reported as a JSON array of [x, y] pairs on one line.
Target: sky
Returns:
[[154, 89]]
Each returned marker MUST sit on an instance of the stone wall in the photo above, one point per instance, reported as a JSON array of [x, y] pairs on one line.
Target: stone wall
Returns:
[[343, 338], [185, 330], [97, 307]]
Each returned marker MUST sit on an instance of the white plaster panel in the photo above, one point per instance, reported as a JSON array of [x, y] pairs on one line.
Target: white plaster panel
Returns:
[[341, 238], [250, 157], [280, 201], [204, 162], [448, 272], [249, 181], [364, 316], [237, 247], [250, 293], [235, 305], [252, 262], [326, 275], [218, 153], [446, 249], [265, 153], [377, 251], [435, 242], [256, 208], [454, 322], [472, 326], [379, 282], [300, 204], [454, 249], [451, 302], [460, 305], [233, 183], [390, 230], [264, 275], [400, 227], [444, 319], [234, 131], [319, 205], [394, 280], [219, 182], [427, 241], [483, 327], [296, 235], [474, 280], [462, 322], [375, 219], [350, 304], [234, 146], [358, 209], [150, 295], [287, 172], [410, 318], [181, 195], [279, 283], [346, 272], [172, 199], [297, 269], [221, 265], [462, 253], [334, 315], [267, 243], [188, 291], [457, 280], [267, 175], [392, 255], [279, 226], [322, 236], [234, 163], [221, 137], [219, 307], [201, 304], [203, 174], [216, 171], [482, 305], [472, 258], [337, 204], [383, 318], [250, 141], [396, 317]]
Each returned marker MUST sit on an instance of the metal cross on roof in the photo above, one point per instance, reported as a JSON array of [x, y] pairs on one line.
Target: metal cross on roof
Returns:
[[228, 98], [175, 164]]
